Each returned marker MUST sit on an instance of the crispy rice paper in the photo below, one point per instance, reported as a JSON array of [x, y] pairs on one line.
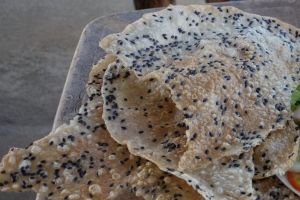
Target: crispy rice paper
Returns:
[[193, 85], [142, 107], [81, 161]]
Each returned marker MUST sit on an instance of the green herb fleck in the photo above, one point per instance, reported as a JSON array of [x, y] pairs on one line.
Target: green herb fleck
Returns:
[[295, 102]]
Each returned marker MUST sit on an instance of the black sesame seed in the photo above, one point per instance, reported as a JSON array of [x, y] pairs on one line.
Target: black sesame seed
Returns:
[[194, 136], [280, 106]]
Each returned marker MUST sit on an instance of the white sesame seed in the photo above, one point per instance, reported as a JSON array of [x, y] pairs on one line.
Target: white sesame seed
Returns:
[[116, 176], [15, 186], [12, 160], [43, 189], [112, 157], [25, 163], [101, 171], [95, 189], [35, 149], [74, 196]]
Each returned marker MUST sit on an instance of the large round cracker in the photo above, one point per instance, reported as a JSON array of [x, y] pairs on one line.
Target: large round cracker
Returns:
[[149, 123], [241, 71], [226, 75]]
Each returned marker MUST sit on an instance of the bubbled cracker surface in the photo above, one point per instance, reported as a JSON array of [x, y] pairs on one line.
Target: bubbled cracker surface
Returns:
[[234, 75], [81, 161], [276, 155], [137, 112], [229, 73], [271, 188], [227, 178], [68, 163], [141, 114]]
